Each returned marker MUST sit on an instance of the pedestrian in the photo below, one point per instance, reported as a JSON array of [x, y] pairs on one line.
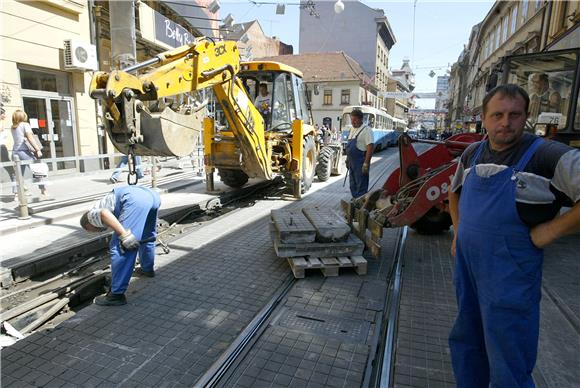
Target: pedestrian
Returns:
[[131, 212], [505, 202], [359, 151], [122, 163], [26, 147]]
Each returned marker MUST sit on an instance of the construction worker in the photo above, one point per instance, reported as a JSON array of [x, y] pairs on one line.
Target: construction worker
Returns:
[[131, 212], [359, 151], [505, 204]]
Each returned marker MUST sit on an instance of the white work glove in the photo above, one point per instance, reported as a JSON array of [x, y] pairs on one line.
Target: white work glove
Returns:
[[129, 241], [365, 169]]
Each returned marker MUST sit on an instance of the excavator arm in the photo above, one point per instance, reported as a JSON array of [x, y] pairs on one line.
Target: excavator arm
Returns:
[[136, 120]]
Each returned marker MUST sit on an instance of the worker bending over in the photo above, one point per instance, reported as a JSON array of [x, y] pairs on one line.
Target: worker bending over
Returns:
[[505, 202], [359, 151], [131, 212]]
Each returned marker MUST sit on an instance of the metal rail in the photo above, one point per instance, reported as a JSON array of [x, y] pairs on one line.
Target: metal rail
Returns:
[[380, 367], [220, 368], [60, 288]]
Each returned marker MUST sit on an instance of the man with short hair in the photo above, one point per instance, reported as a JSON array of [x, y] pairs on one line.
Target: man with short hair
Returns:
[[505, 201], [131, 212], [542, 97], [264, 100], [359, 151]]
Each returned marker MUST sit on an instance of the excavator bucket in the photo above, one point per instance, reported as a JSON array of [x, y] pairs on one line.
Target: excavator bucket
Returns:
[[166, 133]]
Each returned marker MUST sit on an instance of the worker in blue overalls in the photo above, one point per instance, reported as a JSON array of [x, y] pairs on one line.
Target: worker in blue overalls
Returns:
[[505, 204], [131, 212], [359, 151]]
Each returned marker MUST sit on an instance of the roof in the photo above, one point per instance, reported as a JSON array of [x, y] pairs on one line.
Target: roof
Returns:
[[236, 31], [320, 67]]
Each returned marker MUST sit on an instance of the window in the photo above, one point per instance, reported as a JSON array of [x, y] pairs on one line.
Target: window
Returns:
[[498, 35], [327, 97], [538, 5], [524, 13], [505, 23], [48, 82], [345, 97], [309, 95], [514, 19]]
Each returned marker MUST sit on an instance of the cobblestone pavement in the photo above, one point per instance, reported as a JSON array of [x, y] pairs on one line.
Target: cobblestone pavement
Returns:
[[176, 325], [218, 278]]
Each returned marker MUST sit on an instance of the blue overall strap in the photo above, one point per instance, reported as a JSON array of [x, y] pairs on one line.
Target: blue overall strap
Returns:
[[528, 155], [480, 148]]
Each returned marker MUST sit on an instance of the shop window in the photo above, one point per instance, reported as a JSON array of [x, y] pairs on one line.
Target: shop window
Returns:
[[345, 97], [327, 97]]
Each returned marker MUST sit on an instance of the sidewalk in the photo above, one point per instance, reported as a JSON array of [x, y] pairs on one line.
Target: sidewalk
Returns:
[[65, 191], [54, 224]]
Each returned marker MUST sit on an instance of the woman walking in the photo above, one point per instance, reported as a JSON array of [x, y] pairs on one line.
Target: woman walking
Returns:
[[25, 146]]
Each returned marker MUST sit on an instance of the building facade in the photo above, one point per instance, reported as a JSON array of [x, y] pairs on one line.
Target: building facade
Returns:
[[334, 81], [36, 79], [363, 33], [253, 42], [514, 27], [442, 92], [50, 50]]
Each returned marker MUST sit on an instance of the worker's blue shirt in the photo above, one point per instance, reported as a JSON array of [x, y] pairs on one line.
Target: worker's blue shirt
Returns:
[[549, 181]]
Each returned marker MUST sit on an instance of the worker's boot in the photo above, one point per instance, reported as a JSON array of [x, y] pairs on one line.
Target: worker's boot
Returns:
[[139, 272], [110, 299]]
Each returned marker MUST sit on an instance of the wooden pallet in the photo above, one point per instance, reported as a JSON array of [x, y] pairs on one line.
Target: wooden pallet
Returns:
[[328, 265]]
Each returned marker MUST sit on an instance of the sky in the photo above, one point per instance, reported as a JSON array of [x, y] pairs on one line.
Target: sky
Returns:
[[441, 30]]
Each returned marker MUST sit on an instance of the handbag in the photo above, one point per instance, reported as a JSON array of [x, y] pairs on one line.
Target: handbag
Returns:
[[39, 170]]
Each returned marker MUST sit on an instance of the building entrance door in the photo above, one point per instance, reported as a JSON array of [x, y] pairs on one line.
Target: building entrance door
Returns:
[[51, 118]]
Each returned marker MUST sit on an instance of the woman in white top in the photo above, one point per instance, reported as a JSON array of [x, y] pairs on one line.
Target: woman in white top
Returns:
[[21, 130]]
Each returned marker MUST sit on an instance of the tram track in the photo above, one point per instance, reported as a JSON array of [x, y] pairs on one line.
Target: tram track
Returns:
[[223, 368], [36, 303]]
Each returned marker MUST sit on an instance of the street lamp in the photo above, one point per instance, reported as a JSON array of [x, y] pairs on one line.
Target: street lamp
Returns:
[[338, 7]]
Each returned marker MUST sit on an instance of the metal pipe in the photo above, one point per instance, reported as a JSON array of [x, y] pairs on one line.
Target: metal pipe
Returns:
[[140, 65], [153, 172], [22, 201]]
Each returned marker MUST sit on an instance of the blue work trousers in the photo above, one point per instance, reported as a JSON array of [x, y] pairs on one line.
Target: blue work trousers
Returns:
[[497, 277], [359, 182], [136, 208]]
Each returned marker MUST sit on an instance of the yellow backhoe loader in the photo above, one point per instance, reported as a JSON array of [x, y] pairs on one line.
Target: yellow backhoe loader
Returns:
[[240, 141]]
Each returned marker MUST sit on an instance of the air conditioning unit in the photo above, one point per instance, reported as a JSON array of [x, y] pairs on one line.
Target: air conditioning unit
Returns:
[[80, 55]]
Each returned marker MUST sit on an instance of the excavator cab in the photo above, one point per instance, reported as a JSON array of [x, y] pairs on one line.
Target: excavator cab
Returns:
[[279, 94]]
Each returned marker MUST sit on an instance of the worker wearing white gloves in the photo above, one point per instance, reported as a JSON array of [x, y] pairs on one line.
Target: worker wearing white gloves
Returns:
[[131, 212]]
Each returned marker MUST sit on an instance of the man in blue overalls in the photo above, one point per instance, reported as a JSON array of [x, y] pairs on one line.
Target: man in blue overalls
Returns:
[[131, 212], [504, 213], [359, 151]]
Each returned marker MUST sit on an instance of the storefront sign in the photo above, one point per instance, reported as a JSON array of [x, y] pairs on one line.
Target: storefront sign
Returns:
[[171, 33]]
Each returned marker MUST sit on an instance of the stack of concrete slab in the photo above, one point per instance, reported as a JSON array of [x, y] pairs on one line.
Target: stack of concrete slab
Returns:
[[316, 238]]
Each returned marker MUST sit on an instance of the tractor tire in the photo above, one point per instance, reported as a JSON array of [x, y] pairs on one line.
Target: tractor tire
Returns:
[[324, 165], [308, 163], [233, 178], [434, 221]]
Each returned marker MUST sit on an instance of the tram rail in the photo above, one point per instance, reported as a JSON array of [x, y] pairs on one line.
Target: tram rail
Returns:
[[34, 305]]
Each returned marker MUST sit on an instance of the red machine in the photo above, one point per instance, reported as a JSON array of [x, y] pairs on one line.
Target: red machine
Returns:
[[414, 194]]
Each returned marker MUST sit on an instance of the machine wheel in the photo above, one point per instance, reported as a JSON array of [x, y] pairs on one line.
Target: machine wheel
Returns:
[[324, 165], [308, 163], [433, 222], [233, 178]]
